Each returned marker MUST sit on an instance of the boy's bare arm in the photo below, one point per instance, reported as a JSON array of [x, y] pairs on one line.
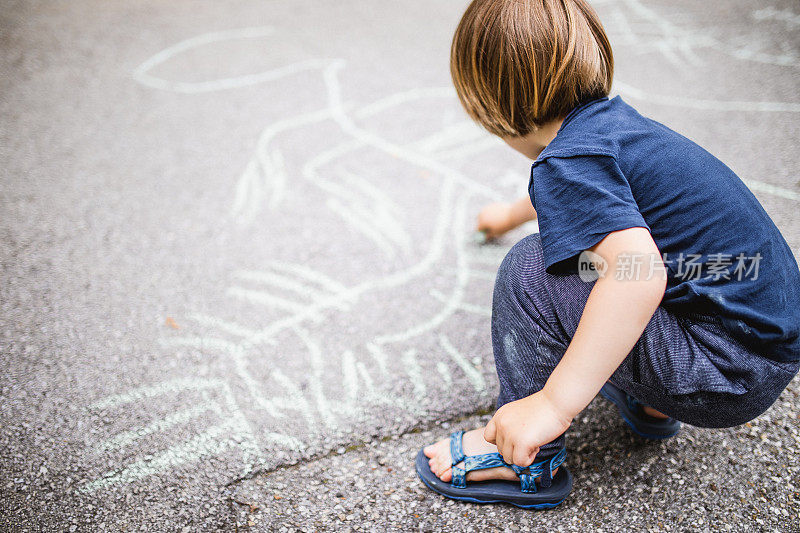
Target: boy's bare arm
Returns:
[[613, 319], [522, 211], [499, 218]]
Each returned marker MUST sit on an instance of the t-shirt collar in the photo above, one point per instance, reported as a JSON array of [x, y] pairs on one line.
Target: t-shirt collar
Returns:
[[575, 112], [571, 115]]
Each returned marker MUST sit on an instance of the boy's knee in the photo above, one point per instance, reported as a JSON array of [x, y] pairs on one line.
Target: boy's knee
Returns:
[[520, 275], [525, 257], [528, 246]]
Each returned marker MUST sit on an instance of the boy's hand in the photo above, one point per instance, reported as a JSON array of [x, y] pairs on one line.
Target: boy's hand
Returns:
[[519, 428], [495, 220]]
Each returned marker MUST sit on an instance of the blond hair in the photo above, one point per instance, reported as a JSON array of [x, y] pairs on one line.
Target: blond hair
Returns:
[[518, 64]]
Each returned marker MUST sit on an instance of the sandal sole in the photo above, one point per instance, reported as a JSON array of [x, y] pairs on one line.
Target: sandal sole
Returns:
[[498, 491]]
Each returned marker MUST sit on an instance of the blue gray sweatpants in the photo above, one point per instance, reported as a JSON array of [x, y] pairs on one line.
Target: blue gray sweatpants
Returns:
[[687, 367]]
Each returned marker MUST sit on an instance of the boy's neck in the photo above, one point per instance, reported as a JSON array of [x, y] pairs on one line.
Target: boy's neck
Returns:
[[532, 144]]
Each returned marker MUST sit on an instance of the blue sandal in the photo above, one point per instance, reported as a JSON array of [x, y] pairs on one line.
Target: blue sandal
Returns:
[[528, 494], [640, 422]]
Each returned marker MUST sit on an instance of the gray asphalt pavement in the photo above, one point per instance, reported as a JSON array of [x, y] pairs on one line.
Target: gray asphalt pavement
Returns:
[[238, 285]]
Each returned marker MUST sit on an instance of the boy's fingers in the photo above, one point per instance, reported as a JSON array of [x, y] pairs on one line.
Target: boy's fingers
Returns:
[[508, 454], [533, 454], [525, 458], [490, 432], [500, 441], [521, 458], [501, 446]]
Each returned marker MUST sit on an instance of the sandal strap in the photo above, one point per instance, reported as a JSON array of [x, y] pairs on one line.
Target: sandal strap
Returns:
[[471, 462], [542, 469], [459, 477], [457, 455], [474, 462], [456, 448], [483, 461], [633, 404]]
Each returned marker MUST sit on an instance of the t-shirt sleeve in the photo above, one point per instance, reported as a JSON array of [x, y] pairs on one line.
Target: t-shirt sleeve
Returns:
[[579, 200]]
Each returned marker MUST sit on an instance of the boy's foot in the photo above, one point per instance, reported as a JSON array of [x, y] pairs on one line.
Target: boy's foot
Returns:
[[487, 479], [439, 459], [643, 420], [652, 412]]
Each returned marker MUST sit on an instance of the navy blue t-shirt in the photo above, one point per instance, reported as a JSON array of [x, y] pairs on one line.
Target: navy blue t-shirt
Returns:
[[609, 168]]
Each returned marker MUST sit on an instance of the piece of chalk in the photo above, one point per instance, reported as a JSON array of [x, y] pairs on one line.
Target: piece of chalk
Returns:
[[480, 237]]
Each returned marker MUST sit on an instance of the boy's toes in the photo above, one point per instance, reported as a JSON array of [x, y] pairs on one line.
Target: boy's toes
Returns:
[[439, 466], [438, 455], [442, 471]]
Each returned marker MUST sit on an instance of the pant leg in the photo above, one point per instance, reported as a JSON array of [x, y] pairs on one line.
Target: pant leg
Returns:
[[686, 367], [707, 378], [531, 321]]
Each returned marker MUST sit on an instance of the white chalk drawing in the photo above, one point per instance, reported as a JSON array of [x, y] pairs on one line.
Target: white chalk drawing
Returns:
[[269, 404], [143, 76], [632, 92], [303, 297], [645, 30], [231, 429], [790, 18]]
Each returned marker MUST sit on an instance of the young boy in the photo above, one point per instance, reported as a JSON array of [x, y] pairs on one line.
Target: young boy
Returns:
[[697, 315]]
